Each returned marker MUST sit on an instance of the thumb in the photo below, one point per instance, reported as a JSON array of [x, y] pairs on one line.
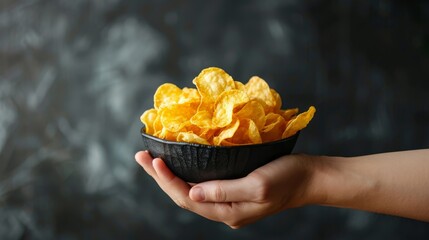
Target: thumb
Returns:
[[237, 190]]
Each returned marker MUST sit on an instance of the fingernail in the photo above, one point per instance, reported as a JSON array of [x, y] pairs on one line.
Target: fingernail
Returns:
[[147, 151], [197, 194]]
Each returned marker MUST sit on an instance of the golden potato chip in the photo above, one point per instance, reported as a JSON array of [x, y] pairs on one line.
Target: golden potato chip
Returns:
[[239, 85], [167, 135], [228, 143], [193, 129], [252, 131], [189, 95], [157, 125], [257, 88], [191, 138], [225, 105], [289, 113], [277, 99], [212, 82], [166, 94], [246, 133], [299, 122], [274, 127], [227, 132], [148, 118], [205, 133], [202, 119], [255, 111], [222, 111], [176, 116]]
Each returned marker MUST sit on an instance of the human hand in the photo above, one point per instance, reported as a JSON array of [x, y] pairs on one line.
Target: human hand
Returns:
[[281, 184]]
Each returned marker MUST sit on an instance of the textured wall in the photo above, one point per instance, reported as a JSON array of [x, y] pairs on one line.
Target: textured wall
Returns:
[[76, 75]]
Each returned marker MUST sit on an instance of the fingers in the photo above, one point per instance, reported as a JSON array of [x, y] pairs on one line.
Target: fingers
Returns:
[[237, 190], [176, 188], [233, 214], [178, 191], [144, 159]]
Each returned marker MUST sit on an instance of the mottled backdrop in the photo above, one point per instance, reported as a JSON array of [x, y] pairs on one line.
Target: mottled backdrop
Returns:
[[75, 76]]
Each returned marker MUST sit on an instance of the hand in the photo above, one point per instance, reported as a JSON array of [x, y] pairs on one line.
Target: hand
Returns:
[[276, 186]]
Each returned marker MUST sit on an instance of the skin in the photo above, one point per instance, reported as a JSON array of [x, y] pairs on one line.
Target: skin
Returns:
[[394, 183]]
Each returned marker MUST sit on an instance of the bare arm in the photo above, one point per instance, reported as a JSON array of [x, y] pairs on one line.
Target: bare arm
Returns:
[[391, 183], [395, 183]]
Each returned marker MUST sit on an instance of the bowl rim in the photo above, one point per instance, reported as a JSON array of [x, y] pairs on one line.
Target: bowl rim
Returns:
[[143, 133]]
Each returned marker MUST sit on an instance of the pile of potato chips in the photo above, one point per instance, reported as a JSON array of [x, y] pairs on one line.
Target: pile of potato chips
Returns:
[[222, 112]]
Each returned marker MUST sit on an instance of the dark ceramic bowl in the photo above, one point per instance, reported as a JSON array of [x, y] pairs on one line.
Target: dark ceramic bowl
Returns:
[[197, 163]]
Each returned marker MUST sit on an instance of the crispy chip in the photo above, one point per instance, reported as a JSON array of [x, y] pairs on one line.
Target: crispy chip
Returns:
[[205, 133], [167, 135], [278, 100], [222, 111], [175, 117], [166, 94], [299, 122], [239, 85], [191, 138], [255, 111], [211, 83], [274, 127], [148, 118], [258, 89], [189, 95], [288, 114], [202, 119], [247, 133], [227, 132], [157, 125], [225, 105]]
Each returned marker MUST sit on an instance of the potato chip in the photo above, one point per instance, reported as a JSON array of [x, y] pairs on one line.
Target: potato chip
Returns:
[[289, 113], [255, 111], [246, 133], [202, 119], [175, 117], [222, 111], [191, 138], [205, 133], [148, 118], [239, 85], [212, 82], [227, 132], [257, 88], [157, 125], [274, 127], [277, 99], [252, 131], [166, 94], [167, 135], [224, 106], [189, 95], [299, 122]]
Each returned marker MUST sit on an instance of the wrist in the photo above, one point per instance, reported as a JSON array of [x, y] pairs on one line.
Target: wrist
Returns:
[[313, 172], [339, 182], [316, 189]]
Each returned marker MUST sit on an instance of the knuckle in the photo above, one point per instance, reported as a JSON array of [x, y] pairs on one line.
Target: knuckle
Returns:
[[261, 187], [219, 193], [181, 204]]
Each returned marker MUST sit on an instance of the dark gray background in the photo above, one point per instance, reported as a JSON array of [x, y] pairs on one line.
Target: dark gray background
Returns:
[[76, 75]]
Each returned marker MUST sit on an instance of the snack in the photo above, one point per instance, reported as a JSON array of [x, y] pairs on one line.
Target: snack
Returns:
[[222, 112]]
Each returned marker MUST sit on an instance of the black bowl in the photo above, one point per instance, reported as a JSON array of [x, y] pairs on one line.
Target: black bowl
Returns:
[[197, 163]]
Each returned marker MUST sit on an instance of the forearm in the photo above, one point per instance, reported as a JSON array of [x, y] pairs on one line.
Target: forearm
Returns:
[[394, 183]]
